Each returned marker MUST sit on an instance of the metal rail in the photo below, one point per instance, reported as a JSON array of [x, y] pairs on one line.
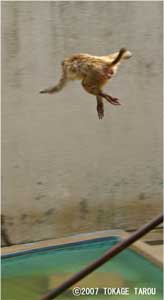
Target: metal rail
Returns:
[[104, 258]]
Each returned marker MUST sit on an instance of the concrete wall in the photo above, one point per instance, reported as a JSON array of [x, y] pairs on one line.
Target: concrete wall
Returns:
[[64, 171]]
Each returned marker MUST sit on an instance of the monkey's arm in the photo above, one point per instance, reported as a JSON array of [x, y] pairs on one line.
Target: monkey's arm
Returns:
[[119, 56]]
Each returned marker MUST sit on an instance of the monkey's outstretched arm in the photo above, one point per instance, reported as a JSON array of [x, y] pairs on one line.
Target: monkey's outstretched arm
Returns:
[[119, 56]]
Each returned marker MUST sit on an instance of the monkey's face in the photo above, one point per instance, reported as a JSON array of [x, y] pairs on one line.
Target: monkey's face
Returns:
[[110, 71]]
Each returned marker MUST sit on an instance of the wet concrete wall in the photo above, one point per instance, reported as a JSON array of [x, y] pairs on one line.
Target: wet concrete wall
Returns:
[[64, 171]]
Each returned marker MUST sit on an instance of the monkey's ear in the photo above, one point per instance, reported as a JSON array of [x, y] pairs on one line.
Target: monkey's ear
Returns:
[[127, 55]]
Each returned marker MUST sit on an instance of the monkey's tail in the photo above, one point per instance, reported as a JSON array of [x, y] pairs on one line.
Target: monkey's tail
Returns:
[[57, 87], [119, 56]]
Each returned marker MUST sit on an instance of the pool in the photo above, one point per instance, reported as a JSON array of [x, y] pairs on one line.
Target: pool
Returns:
[[28, 275]]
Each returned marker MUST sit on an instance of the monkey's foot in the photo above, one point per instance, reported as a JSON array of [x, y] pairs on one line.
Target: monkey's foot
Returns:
[[100, 110], [111, 99]]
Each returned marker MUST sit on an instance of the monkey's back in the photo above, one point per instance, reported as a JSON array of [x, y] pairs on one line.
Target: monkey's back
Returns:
[[79, 65]]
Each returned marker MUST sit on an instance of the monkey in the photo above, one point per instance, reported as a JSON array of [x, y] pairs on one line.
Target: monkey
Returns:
[[94, 72]]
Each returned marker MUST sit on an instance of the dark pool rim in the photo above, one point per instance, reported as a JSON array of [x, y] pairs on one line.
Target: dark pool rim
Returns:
[[140, 247], [59, 247]]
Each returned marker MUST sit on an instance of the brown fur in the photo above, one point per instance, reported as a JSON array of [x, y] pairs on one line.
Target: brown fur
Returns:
[[94, 72]]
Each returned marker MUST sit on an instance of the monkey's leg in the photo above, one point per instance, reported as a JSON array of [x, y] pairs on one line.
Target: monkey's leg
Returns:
[[100, 107], [92, 87], [57, 87], [110, 99]]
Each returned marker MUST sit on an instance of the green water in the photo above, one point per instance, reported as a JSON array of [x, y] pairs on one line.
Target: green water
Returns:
[[29, 276]]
